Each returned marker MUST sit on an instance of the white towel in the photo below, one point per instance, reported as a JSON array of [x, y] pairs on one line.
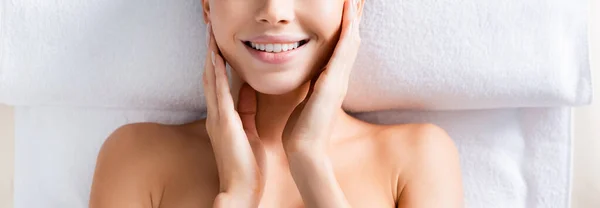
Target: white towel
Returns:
[[517, 158], [420, 54]]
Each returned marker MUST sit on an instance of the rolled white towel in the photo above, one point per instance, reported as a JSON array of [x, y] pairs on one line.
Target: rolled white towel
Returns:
[[425, 54]]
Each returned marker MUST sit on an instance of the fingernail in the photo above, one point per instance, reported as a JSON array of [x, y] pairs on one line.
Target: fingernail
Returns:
[[208, 34], [212, 58]]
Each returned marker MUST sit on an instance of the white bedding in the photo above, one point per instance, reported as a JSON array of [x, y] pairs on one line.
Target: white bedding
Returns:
[[451, 55], [418, 54], [513, 158]]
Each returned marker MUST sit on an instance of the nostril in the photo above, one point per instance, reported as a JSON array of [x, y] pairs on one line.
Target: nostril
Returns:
[[267, 21]]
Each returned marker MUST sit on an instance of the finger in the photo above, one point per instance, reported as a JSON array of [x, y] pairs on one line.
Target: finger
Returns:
[[224, 98], [316, 113], [295, 115], [311, 88], [247, 109], [359, 9], [329, 90], [347, 46], [225, 105], [209, 78], [349, 19], [333, 82]]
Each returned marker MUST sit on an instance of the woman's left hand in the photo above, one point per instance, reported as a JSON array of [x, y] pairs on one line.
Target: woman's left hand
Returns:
[[309, 126], [306, 134]]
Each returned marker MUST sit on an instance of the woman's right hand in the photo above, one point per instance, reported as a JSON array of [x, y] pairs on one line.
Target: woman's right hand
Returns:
[[233, 135]]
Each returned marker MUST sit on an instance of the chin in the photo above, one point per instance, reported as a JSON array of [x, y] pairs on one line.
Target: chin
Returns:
[[275, 86]]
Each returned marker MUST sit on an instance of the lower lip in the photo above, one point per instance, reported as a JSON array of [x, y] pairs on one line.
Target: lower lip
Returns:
[[274, 58]]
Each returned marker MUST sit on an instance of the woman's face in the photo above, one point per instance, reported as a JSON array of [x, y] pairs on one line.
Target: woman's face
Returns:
[[275, 45]]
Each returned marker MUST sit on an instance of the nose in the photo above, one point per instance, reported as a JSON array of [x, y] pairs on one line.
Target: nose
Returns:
[[276, 12]]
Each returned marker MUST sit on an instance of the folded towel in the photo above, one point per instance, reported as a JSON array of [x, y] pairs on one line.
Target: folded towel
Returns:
[[472, 54], [425, 54], [517, 158]]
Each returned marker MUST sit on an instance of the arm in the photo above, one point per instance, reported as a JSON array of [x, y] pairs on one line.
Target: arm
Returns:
[[433, 178], [315, 179]]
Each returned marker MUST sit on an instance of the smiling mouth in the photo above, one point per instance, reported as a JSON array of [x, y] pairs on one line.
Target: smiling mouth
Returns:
[[275, 47]]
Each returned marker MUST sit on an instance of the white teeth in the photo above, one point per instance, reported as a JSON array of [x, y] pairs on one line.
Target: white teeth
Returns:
[[275, 48]]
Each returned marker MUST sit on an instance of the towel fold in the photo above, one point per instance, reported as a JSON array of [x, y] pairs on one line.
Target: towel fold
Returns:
[[446, 55], [416, 54]]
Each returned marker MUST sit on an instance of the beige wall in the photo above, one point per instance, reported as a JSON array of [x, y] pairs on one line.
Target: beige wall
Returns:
[[6, 156], [586, 155]]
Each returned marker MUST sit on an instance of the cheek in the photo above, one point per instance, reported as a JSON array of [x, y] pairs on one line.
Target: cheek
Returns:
[[323, 20], [322, 17], [224, 24], [224, 29]]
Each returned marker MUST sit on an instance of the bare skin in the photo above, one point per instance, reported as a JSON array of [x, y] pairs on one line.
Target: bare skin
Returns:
[[297, 149], [150, 165]]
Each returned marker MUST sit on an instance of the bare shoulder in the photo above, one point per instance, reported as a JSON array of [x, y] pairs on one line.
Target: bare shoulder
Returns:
[[428, 163], [137, 161], [418, 140], [152, 142], [143, 138]]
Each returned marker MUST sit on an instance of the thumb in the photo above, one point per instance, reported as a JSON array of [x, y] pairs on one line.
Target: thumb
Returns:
[[247, 109], [293, 119]]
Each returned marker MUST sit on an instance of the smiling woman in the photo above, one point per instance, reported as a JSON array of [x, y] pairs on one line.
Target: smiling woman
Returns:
[[284, 139]]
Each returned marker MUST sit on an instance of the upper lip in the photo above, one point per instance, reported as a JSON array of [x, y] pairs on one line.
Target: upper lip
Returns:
[[276, 39]]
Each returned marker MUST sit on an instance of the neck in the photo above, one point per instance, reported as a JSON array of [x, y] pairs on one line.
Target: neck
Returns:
[[273, 111]]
